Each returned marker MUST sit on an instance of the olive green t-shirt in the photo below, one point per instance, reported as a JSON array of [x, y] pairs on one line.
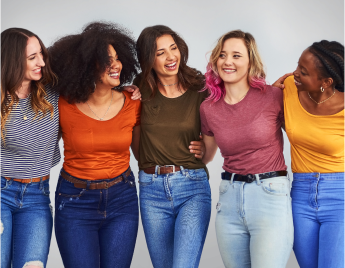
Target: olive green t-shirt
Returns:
[[168, 125]]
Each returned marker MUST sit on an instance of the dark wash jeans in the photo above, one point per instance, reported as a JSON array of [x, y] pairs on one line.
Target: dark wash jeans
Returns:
[[96, 228], [26, 223]]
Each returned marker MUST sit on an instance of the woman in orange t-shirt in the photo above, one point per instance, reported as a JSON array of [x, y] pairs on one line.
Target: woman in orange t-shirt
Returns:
[[96, 202]]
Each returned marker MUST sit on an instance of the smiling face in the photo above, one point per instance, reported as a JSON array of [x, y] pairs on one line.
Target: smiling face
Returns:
[[111, 76], [34, 60], [306, 74], [168, 57], [233, 62]]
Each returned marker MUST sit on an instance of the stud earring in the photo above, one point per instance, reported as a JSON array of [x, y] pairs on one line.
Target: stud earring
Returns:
[[322, 89]]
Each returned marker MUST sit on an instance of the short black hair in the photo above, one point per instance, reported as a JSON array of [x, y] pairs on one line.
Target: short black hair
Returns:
[[80, 59], [330, 61]]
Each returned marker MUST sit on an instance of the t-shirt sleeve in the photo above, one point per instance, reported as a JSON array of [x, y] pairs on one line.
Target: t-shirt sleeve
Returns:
[[205, 129]]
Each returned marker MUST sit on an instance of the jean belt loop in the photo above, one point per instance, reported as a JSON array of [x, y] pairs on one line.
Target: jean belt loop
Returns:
[[257, 179], [156, 171], [289, 179], [88, 183], [41, 182], [124, 176], [232, 178], [183, 171], [31, 180]]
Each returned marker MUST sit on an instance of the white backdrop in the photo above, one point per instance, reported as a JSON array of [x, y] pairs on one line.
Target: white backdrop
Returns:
[[282, 29]]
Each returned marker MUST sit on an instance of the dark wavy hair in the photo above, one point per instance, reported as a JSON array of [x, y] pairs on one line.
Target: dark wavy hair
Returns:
[[146, 48], [330, 61], [13, 67], [79, 60]]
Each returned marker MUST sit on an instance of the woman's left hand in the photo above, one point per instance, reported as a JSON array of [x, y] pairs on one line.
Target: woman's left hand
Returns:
[[136, 95], [197, 148]]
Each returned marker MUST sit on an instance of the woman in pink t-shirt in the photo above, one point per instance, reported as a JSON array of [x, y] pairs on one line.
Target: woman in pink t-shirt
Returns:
[[243, 117]]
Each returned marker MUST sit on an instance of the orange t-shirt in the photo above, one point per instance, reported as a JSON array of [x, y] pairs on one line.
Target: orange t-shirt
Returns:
[[96, 149]]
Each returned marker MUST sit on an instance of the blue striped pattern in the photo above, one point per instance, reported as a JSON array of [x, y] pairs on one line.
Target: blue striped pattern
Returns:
[[31, 147]]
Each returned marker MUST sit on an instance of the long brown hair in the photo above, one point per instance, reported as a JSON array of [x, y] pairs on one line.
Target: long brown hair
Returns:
[[13, 67], [146, 49]]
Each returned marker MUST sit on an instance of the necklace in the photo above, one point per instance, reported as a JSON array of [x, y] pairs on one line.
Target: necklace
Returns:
[[166, 85], [240, 99], [323, 100], [101, 118], [24, 114]]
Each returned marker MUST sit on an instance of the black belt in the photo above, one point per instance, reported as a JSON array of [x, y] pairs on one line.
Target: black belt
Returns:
[[251, 177]]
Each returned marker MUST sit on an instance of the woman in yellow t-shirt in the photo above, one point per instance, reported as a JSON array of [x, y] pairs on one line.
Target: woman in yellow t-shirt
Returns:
[[314, 123]]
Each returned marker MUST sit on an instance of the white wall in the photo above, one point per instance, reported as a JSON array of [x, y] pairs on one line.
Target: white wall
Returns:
[[283, 29]]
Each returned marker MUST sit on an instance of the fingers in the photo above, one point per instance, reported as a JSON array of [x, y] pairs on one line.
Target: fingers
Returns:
[[136, 94], [197, 148]]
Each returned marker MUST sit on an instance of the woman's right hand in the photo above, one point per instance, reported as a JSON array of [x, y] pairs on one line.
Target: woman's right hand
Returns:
[[280, 82]]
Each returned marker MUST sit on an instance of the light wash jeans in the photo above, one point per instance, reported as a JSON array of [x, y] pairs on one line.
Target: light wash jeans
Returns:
[[254, 223], [26, 223], [175, 211], [318, 215]]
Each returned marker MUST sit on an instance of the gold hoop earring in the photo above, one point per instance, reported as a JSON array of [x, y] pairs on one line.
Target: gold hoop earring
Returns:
[[322, 89]]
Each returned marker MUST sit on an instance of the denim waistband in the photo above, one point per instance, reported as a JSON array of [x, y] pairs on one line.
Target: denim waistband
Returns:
[[84, 180], [318, 176]]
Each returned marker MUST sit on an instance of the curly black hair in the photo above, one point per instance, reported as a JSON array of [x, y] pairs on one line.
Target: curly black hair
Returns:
[[79, 60], [330, 61]]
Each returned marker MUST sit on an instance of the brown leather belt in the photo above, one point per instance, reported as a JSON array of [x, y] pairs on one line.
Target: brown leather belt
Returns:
[[29, 180], [94, 185], [162, 169]]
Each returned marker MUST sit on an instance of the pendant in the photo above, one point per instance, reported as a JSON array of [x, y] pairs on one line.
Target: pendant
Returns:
[[25, 117]]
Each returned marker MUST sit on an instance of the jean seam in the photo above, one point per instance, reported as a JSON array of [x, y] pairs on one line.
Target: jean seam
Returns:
[[201, 245]]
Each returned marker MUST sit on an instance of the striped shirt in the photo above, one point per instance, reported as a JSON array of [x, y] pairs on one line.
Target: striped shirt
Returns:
[[31, 146]]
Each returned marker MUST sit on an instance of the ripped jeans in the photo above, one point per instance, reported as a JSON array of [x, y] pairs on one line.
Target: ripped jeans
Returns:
[[26, 223], [254, 223], [96, 228]]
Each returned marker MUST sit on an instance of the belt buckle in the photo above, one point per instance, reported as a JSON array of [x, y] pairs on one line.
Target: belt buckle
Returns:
[[106, 185], [250, 178], [173, 166]]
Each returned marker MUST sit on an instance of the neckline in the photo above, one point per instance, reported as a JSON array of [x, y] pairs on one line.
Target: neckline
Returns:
[[173, 98], [123, 106], [314, 115], [241, 101]]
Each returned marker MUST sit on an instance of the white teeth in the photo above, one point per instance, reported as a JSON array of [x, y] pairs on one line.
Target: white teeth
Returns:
[[297, 83], [229, 71], [172, 64], [114, 75]]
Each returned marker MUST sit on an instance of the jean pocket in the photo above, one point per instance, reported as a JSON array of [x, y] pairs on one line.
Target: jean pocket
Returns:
[[224, 186], [67, 190], [196, 174], [145, 179], [278, 188], [4, 183]]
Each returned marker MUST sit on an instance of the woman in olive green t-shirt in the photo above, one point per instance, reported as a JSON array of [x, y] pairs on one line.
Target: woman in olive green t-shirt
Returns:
[[175, 196]]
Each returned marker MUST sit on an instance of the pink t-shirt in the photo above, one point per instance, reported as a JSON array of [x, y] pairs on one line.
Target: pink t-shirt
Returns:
[[248, 133]]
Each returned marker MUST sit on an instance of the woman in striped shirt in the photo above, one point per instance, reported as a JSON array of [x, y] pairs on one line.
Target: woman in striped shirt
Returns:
[[29, 148]]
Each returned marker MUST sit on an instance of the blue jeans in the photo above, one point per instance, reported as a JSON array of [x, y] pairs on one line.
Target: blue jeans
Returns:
[[26, 223], [175, 211], [96, 228], [318, 215], [254, 223]]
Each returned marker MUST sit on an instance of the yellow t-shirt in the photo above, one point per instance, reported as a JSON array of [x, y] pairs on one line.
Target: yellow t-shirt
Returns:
[[317, 141]]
